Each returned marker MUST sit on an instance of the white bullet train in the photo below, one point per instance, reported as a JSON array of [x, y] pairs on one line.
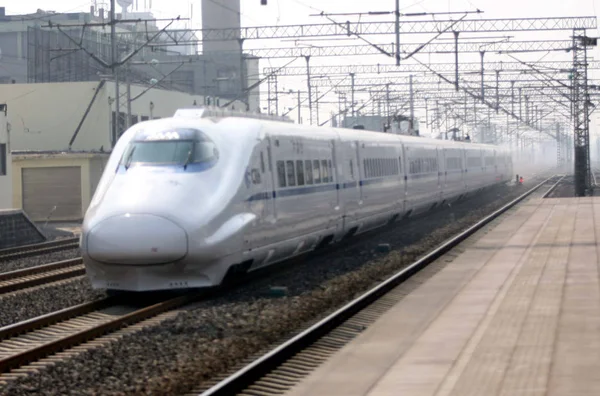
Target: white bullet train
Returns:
[[186, 200]]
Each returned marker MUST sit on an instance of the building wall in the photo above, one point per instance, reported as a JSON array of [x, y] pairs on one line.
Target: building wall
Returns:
[[44, 116], [91, 166], [253, 73], [219, 15], [5, 180]]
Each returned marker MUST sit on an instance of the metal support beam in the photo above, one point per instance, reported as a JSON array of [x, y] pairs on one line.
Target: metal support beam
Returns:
[[116, 130], [580, 99], [310, 106], [173, 36], [352, 97], [397, 32], [456, 59], [412, 106], [482, 53]]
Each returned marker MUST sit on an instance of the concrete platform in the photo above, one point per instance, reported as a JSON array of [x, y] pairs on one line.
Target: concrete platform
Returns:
[[516, 313]]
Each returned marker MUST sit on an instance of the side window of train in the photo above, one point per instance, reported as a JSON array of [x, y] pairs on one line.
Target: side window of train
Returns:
[[325, 176], [309, 172], [281, 173], [324, 172], [317, 171], [262, 162], [256, 179], [300, 172], [399, 164], [331, 173], [291, 173], [351, 169]]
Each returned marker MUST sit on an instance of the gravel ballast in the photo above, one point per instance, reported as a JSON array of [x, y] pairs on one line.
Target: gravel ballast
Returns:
[[27, 262], [28, 304], [199, 343]]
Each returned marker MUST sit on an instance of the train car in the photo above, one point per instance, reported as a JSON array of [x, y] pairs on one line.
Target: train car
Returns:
[[186, 200]]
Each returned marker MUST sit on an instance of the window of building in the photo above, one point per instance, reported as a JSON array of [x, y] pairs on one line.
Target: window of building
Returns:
[[3, 157], [309, 171], [300, 172], [291, 173], [281, 173]]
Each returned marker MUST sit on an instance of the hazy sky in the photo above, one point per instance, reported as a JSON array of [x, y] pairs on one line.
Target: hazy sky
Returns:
[[280, 12], [296, 11]]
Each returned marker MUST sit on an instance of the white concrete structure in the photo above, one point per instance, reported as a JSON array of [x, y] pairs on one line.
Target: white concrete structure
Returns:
[[5, 162], [59, 116]]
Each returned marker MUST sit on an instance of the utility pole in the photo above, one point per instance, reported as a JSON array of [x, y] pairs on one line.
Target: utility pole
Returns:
[[387, 98], [456, 60], [115, 71], [309, 89], [412, 104], [482, 53], [352, 98], [397, 32], [497, 91], [299, 109], [128, 87], [243, 94]]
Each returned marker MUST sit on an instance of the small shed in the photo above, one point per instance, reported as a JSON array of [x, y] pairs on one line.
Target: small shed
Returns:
[[56, 186]]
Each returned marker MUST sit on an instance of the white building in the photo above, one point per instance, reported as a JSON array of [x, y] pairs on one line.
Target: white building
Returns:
[[5, 162], [78, 116], [61, 136]]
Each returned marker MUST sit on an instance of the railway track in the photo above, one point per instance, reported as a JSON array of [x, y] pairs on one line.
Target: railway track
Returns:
[[26, 342], [38, 249], [34, 276], [281, 368]]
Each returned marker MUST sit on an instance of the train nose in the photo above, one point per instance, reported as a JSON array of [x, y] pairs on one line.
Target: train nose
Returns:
[[136, 239]]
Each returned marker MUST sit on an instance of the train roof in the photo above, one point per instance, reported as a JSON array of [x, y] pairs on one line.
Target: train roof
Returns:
[[285, 126]]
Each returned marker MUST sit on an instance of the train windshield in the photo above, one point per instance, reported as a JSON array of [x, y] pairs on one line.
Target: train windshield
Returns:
[[177, 147]]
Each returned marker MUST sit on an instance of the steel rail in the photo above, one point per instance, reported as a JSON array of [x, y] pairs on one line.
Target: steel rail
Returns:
[[41, 274], [32, 351], [553, 187], [38, 249]]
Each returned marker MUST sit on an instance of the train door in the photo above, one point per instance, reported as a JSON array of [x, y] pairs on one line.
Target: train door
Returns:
[[440, 167], [465, 169], [270, 176], [360, 175], [404, 170], [336, 175], [258, 180], [347, 182], [496, 173]]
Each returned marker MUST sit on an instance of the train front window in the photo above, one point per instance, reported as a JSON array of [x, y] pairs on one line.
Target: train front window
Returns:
[[144, 150]]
